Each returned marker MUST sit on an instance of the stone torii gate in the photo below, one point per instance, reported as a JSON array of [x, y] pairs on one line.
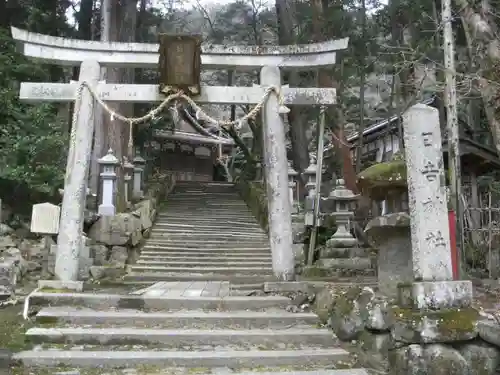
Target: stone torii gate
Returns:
[[92, 55]]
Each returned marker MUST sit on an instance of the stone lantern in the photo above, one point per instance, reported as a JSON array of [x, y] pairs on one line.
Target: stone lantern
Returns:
[[292, 183], [108, 177], [342, 252], [389, 232], [128, 168], [139, 165], [343, 201], [310, 173]]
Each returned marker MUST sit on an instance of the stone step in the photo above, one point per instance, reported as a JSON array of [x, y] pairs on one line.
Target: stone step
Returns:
[[206, 197], [202, 214], [212, 249], [200, 220], [229, 225], [181, 257], [134, 277], [174, 338], [347, 263], [200, 255], [211, 238], [208, 203], [214, 232], [194, 212], [203, 263], [182, 319], [190, 244], [191, 359], [204, 270], [209, 206], [167, 303]]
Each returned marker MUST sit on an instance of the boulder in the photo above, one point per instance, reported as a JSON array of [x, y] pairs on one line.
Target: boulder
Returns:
[[440, 326], [118, 230], [482, 358], [6, 242], [99, 253], [434, 359], [5, 230], [144, 210], [377, 314], [9, 274], [346, 317], [323, 304], [106, 272], [119, 255]]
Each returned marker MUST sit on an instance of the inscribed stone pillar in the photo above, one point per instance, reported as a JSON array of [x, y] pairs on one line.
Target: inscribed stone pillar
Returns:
[[430, 236], [69, 240], [433, 302], [276, 177]]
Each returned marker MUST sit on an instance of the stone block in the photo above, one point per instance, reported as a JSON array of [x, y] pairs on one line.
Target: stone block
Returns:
[[99, 253], [390, 234], [77, 286], [9, 274], [51, 264], [341, 252], [435, 295], [345, 263], [425, 327], [6, 242], [107, 272], [84, 268], [433, 359], [144, 210], [489, 331], [483, 359], [119, 255], [85, 252], [117, 230]]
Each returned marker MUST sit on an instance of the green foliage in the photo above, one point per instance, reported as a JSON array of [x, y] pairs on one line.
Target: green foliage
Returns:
[[32, 141]]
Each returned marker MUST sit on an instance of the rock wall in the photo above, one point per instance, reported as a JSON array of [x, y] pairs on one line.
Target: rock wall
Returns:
[[20, 257], [377, 329], [110, 243], [254, 194], [113, 241]]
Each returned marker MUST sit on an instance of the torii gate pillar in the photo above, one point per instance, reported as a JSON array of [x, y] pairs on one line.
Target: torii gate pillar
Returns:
[[276, 172], [69, 240]]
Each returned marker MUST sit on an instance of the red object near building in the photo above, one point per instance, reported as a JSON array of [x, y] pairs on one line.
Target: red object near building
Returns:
[[453, 243]]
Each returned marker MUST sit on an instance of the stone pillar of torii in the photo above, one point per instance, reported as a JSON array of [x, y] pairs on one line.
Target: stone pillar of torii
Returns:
[[92, 55]]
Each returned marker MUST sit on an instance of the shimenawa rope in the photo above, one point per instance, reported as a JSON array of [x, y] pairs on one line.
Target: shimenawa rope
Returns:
[[155, 111]]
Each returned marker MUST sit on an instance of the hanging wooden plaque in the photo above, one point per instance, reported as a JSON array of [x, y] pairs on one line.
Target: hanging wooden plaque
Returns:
[[180, 64]]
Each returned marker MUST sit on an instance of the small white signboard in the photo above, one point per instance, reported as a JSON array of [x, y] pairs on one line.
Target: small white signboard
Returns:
[[45, 218]]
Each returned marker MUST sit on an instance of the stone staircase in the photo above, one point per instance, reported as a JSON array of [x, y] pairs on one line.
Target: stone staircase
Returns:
[[206, 233], [192, 321]]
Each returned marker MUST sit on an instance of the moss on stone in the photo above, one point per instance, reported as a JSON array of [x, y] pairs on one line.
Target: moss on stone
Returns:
[[375, 180], [13, 328], [448, 321], [254, 195], [387, 172], [314, 271], [56, 290]]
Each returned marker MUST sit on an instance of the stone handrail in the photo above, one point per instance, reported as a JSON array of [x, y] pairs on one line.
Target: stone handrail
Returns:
[[72, 52]]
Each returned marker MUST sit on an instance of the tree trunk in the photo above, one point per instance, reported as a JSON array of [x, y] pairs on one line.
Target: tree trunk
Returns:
[[285, 11], [485, 30], [98, 149], [114, 127], [362, 62], [326, 79]]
